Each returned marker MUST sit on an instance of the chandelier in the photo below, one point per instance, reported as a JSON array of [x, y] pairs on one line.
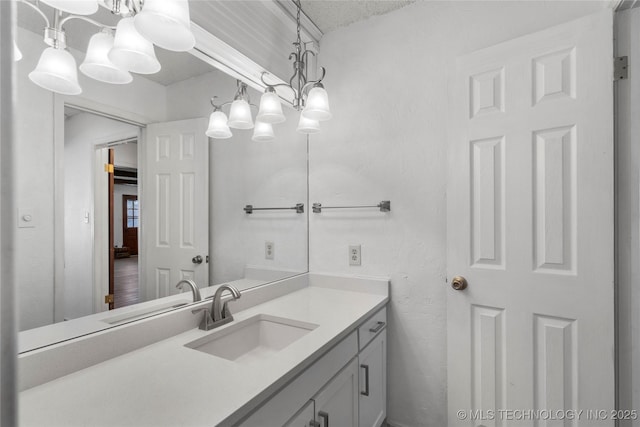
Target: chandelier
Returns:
[[309, 97], [113, 52]]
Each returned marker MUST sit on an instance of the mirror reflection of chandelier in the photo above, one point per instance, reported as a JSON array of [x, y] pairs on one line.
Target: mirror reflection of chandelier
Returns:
[[309, 97], [113, 52]]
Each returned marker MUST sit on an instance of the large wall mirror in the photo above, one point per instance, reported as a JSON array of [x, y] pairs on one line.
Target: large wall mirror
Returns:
[[178, 198]]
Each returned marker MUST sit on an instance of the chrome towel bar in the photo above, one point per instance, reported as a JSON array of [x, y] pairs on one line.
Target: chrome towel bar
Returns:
[[299, 208], [384, 206]]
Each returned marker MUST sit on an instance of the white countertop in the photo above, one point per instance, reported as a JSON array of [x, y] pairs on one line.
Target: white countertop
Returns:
[[57, 332], [168, 384]]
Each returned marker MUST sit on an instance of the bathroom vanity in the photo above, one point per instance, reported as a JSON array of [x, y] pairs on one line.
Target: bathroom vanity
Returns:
[[304, 351]]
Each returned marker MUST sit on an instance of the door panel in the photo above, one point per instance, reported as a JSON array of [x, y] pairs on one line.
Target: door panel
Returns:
[[175, 212], [530, 225], [337, 403], [372, 360]]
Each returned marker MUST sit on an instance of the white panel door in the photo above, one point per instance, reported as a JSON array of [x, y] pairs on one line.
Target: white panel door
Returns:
[[530, 226], [175, 208]]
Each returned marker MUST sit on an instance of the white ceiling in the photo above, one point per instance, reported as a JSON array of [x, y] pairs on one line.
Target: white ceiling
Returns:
[[331, 14]]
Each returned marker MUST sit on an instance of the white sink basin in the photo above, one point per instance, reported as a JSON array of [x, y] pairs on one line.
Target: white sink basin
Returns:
[[252, 339], [144, 312]]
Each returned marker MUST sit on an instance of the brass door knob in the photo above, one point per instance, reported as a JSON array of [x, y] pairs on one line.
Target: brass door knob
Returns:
[[459, 283]]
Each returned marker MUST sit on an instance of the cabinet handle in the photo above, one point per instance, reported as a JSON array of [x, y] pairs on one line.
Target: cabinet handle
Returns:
[[325, 417], [376, 328], [366, 380]]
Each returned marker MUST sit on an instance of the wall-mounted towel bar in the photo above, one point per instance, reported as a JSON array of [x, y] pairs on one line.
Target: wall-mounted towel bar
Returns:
[[385, 206], [299, 208]]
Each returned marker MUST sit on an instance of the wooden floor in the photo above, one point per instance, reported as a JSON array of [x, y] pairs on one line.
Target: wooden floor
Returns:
[[126, 282]]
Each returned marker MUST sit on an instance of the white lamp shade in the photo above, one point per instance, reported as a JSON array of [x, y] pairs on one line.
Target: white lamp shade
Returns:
[[307, 125], [77, 7], [56, 71], [167, 24], [270, 109], [240, 115], [131, 51], [17, 55], [317, 106], [97, 64], [218, 127], [263, 132]]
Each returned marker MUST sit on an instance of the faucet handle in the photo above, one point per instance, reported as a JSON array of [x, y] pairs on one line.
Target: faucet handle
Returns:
[[206, 323]]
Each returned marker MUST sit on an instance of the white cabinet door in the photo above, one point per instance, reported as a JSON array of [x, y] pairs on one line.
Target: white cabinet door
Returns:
[[530, 226], [175, 208], [373, 382], [337, 403], [304, 418]]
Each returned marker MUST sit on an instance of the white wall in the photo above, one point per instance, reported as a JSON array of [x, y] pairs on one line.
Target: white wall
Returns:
[[628, 214], [245, 172], [126, 155], [387, 81], [36, 166], [82, 132]]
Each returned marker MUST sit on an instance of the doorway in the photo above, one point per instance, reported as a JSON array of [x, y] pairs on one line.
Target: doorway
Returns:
[[89, 240], [125, 226]]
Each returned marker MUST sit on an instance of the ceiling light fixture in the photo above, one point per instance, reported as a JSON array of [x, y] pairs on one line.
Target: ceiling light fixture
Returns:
[[17, 55], [110, 58], [239, 118], [310, 97]]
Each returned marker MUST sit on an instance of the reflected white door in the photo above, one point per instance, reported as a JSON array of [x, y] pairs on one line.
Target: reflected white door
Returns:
[[530, 226], [175, 209]]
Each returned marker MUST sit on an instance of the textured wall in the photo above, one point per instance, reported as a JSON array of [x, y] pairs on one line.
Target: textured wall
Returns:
[[387, 80]]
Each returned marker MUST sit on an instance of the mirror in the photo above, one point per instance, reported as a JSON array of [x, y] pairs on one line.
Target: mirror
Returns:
[[64, 141]]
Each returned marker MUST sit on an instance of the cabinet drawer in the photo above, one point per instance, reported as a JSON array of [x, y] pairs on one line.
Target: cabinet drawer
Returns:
[[372, 327]]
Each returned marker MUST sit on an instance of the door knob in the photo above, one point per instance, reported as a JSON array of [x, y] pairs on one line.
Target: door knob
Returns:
[[459, 283], [196, 259]]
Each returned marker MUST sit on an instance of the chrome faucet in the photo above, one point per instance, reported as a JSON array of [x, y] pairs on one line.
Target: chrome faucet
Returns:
[[194, 289], [219, 313]]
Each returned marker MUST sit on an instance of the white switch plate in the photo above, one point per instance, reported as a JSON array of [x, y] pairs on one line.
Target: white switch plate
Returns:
[[269, 250], [354, 255]]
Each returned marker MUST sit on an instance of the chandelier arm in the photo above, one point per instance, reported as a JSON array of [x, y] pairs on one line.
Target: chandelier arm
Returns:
[[314, 82], [219, 107], [272, 85], [37, 9], [305, 53], [324, 73], [84, 18]]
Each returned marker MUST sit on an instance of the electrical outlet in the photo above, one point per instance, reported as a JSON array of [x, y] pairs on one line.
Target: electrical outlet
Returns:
[[269, 250], [354, 255]]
